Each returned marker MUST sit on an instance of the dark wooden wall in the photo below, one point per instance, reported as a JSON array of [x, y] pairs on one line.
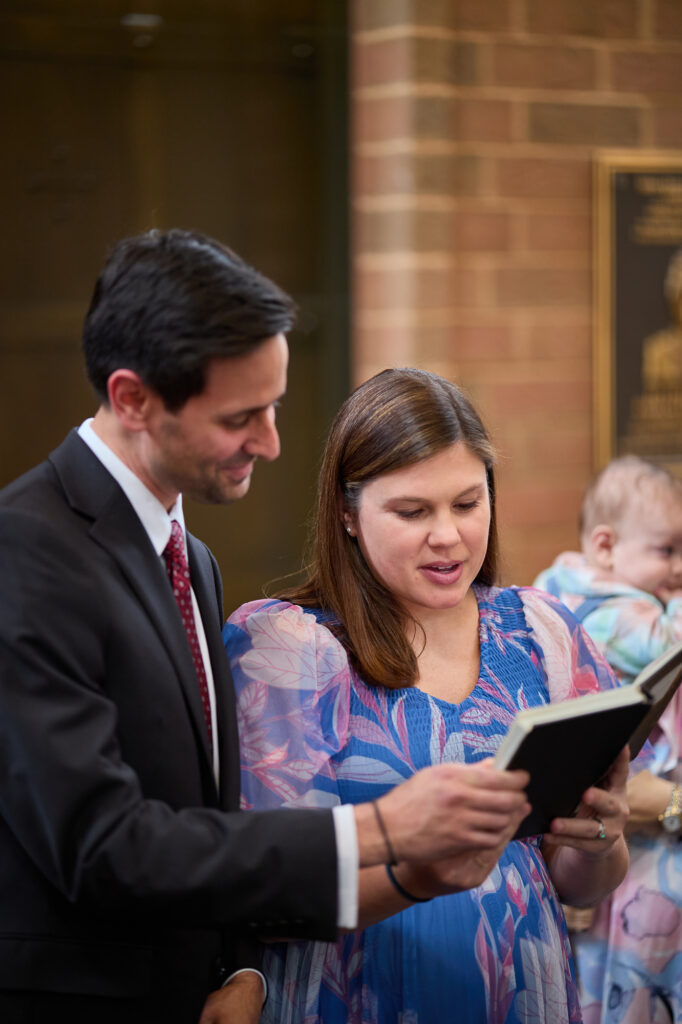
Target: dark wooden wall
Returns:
[[229, 118]]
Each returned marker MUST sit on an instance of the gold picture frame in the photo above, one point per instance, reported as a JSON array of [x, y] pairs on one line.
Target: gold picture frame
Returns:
[[637, 326]]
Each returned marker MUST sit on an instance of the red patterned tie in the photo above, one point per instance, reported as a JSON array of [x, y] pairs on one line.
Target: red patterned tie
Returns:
[[178, 572]]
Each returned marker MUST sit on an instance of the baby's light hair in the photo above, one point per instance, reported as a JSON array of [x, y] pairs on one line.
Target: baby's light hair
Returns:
[[613, 490]]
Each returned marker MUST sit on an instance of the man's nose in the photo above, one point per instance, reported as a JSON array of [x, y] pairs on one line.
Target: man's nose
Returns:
[[263, 439]]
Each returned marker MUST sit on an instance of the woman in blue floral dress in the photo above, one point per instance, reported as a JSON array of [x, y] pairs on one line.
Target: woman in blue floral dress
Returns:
[[400, 652]]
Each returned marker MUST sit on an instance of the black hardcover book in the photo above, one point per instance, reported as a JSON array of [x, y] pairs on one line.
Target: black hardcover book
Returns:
[[570, 746]]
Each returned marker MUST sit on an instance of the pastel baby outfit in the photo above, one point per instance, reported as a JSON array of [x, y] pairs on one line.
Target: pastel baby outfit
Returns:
[[630, 959]]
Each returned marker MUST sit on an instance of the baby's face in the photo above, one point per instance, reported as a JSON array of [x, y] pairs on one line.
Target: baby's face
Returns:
[[648, 550]]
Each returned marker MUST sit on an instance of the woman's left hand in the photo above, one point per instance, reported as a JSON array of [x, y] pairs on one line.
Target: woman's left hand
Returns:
[[601, 817]]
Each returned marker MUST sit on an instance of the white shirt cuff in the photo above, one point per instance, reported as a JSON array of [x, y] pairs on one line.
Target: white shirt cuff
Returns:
[[348, 860]]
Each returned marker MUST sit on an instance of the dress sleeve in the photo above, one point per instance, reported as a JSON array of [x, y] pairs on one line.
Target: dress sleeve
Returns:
[[570, 659], [564, 651], [292, 681]]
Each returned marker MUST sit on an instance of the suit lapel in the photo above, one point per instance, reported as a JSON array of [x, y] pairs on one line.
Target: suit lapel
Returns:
[[92, 490]]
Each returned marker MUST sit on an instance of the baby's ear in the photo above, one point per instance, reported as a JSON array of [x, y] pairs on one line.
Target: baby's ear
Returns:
[[601, 542]]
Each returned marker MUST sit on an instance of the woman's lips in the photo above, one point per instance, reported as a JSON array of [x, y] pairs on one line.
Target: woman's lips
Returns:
[[443, 573]]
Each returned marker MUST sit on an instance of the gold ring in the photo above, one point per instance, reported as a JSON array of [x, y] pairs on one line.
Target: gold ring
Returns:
[[601, 834]]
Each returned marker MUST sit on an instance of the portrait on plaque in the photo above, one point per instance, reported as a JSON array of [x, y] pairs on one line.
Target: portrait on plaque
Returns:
[[638, 324]]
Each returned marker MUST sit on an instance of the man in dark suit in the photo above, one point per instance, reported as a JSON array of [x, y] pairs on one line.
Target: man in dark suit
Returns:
[[130, 885]]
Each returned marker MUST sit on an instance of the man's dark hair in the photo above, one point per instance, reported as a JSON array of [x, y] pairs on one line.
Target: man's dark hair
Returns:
[[167, 302]]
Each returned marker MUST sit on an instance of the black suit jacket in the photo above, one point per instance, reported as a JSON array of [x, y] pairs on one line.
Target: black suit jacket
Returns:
[[123, 869]]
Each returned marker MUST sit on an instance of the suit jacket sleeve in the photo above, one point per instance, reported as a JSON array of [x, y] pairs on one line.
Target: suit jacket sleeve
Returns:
[[100, 773]]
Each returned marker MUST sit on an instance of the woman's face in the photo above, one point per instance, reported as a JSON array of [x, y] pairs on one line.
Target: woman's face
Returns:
[[423, 530]]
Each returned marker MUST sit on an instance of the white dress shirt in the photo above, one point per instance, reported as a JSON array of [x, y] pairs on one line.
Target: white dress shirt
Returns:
[[156, 521]]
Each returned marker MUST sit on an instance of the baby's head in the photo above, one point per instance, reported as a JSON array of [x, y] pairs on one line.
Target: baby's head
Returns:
[[631, 524]]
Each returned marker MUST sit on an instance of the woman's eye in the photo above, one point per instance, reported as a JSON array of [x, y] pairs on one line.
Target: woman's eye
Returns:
[[666, 551], [467, 506], [408, 513]]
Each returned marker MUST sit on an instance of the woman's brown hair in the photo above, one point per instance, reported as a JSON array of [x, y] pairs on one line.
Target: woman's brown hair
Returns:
[[395, 419]]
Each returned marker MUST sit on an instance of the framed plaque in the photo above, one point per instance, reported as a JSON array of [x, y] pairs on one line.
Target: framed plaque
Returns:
[[638, 321]]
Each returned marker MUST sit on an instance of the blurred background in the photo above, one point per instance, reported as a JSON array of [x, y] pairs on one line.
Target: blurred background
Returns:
[[228, 118], [417, 173]]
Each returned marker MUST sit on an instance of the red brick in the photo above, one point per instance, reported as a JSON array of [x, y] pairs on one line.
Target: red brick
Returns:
[[391, 346], [373, 14], [442, 343], [586, 124], [526, 552], [404, 230], [386, 61], [454, 62], [429, 344], [483, 120], [424, 173], [533, 450], [494, 15], [420, 117], [559, 232], [667, 126], [482, 231], [448, 288], [482, 342], [415, 59], [539, 178], [529, 504], [668, 19], [377, 119], [433, 116], [541, 398], [605, 19], [382, 289], [381, 175], [543, 286], [554, 340], [416, 288], [461, 174], [544, 67], [647, 72]]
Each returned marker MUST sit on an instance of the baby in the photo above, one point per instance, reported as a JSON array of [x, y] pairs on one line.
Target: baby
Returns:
[[625, 587]]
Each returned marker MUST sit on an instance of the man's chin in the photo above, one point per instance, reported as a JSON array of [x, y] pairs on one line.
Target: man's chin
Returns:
[[224, 494]]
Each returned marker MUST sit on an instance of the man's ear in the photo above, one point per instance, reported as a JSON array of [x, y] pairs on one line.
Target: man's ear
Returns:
[[130, 399], [602, 540]]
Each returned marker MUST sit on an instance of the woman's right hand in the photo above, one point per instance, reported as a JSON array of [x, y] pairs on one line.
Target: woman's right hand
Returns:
[[464, 870]]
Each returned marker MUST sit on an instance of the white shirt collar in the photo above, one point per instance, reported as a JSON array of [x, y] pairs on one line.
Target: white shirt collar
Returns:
[[151, 513]]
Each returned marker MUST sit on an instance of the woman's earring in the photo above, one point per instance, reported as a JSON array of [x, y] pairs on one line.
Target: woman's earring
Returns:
[[348, 530]]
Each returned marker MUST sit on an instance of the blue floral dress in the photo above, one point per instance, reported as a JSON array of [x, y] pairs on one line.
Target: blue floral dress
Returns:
[[314, 734]]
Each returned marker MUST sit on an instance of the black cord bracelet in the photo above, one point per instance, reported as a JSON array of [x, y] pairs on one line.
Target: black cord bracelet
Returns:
[[392, 859], [403, 892]]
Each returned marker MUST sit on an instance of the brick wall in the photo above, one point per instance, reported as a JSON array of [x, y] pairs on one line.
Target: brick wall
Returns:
[[474, 128]]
